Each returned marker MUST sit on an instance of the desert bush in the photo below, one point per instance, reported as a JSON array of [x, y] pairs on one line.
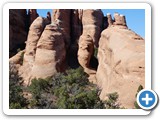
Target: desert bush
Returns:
[[21, 58], [95, 52], [138, 90], [69, 90], [111, 102], [16, 99], [41, 94]]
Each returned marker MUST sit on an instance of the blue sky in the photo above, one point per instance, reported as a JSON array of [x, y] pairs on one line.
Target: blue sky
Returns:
[[135, 18]]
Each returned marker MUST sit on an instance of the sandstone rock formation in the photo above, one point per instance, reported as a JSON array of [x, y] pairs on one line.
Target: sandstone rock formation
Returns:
[[85, 52], [92, 21], [119, 19], [121, 57], [50, 54], [18, 58], [45, 51], [34, 34], [17, 29], [71, 38], [62, 18], [109, 19]]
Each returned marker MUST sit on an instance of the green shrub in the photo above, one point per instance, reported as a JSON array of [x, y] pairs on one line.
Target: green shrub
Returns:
[[21, 58], [95, 52], [16, 99], [74, 91], [138, 90], [111, 103], [69, 90], [41, 94], [37, 87]]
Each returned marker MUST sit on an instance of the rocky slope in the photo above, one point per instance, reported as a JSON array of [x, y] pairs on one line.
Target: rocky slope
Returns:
[[69, 38]]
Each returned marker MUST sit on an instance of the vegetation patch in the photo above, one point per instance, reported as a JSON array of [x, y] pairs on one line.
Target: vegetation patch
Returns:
[[69, 90], [16, 98], [135, 103]]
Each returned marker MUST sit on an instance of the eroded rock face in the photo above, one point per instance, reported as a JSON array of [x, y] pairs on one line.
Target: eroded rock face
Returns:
[[109, 20], [50, 54], [119, 19], [92, 21], [45, 51], [62, 18], [34, 34], [17, 29], [121, 69], [85, 52], [17, 59]]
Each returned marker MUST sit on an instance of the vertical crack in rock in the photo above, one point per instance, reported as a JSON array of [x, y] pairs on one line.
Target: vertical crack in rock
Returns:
[[76, 32]]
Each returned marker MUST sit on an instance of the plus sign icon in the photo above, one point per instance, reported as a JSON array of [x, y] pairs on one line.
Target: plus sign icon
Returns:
[[147, 99]]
